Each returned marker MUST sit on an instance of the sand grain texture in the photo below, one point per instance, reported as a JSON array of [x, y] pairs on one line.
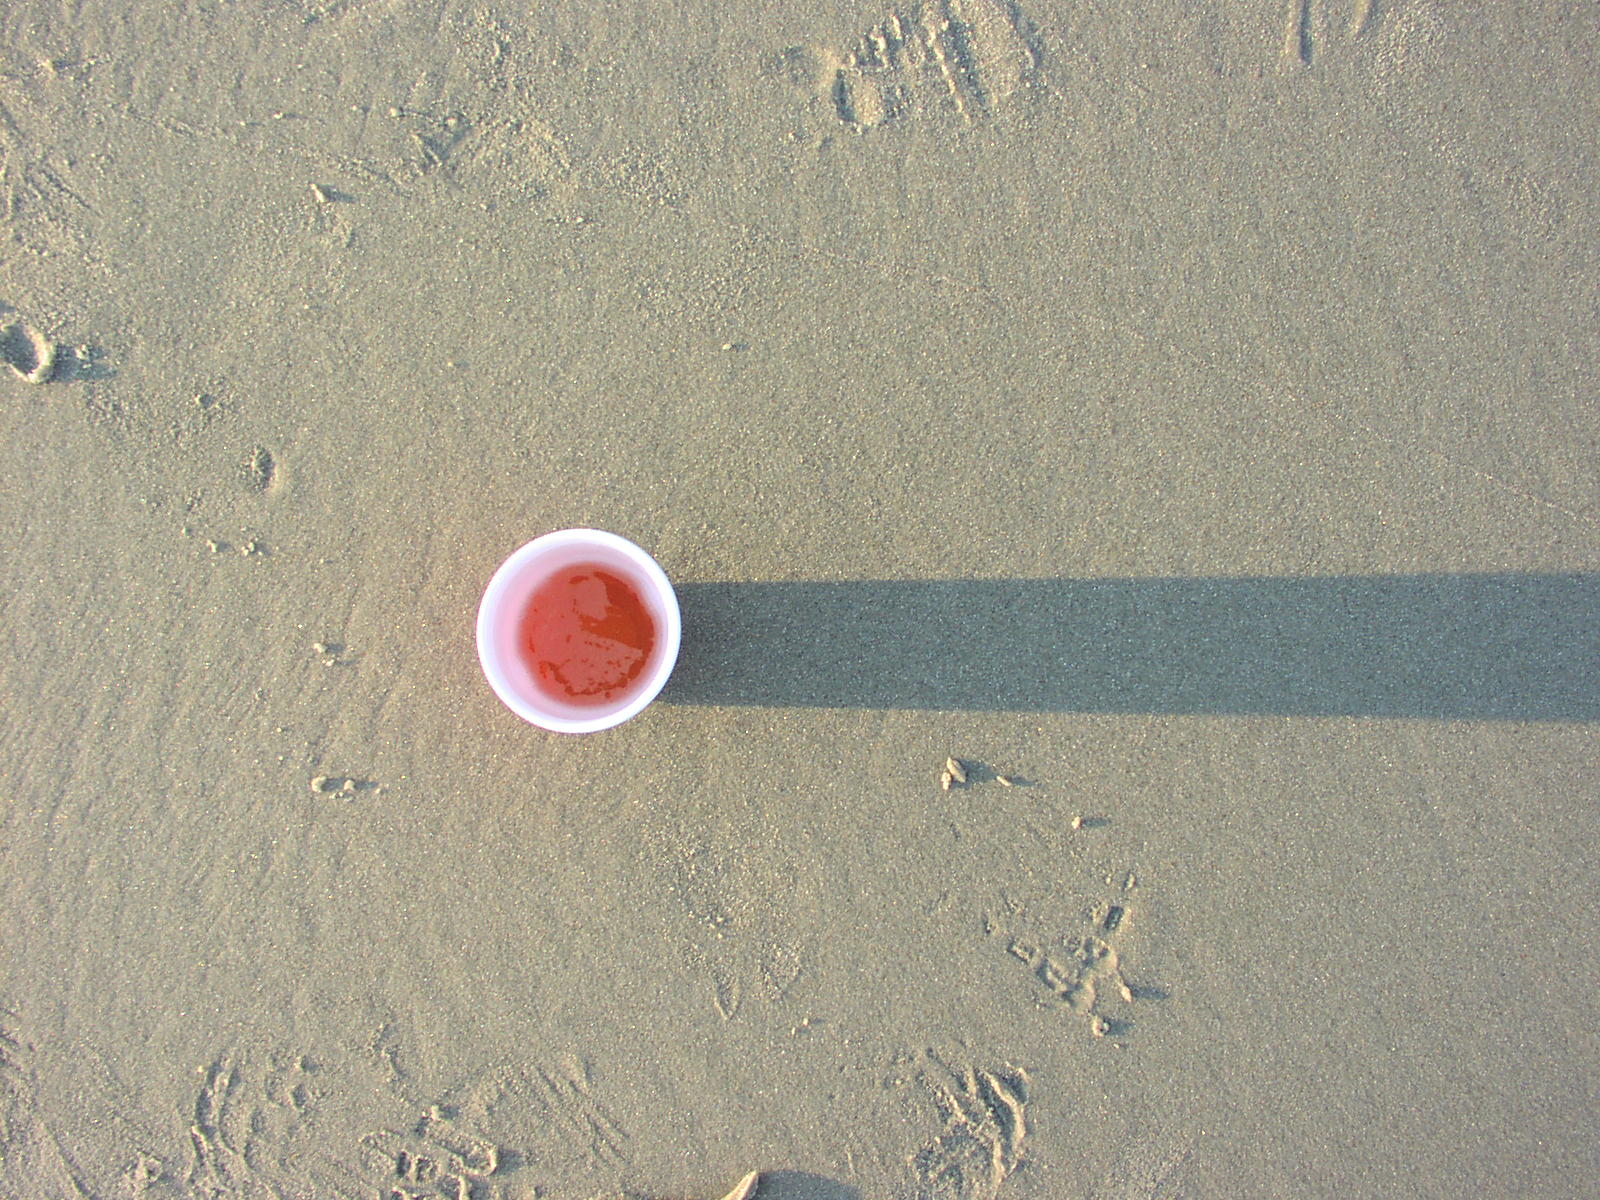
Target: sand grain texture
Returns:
[[1186, 416]]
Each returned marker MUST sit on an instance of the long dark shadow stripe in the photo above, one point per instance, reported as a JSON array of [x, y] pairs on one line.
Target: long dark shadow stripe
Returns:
[[1504, 646]]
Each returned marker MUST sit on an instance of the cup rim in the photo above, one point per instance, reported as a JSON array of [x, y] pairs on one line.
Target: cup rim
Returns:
[[497, 594]]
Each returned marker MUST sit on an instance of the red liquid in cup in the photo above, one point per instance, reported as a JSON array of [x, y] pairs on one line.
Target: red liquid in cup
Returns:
[[587, 635]]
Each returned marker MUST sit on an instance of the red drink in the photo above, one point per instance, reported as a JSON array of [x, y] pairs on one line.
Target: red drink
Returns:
[[587, 635]]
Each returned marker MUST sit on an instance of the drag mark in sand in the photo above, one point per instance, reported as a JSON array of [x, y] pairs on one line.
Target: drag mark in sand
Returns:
[[32, 1160], [41, 205], [739, 900], [219, 1163], [565, 1108], [1361, 16], [985, 1126], [1313, 28], [1297, 43], [250, 1133]]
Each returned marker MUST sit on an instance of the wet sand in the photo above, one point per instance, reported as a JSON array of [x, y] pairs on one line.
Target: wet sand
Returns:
[[1188, 417]]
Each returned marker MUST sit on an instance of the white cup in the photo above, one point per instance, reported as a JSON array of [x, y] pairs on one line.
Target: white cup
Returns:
[[505, 603]]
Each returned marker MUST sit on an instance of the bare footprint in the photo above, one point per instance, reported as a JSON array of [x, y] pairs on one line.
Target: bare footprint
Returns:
[[984, 1129]]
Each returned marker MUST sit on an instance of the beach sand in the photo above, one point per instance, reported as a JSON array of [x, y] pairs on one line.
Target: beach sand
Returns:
[[1184, 412]]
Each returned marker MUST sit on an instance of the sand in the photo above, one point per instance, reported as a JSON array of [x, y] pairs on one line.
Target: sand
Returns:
[[1185, 412]]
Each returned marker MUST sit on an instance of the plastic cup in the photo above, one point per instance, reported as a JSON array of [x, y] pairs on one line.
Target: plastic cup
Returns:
[[505, 603]]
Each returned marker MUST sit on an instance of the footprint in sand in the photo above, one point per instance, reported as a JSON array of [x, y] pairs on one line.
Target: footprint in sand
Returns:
[[1083, 970], [30, 355]]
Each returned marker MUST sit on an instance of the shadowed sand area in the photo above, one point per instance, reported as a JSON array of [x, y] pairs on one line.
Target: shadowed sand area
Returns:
[[1471, 647]]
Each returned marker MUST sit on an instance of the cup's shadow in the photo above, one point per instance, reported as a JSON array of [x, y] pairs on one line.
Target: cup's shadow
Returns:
[[1509, 646], [802, 1185]]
